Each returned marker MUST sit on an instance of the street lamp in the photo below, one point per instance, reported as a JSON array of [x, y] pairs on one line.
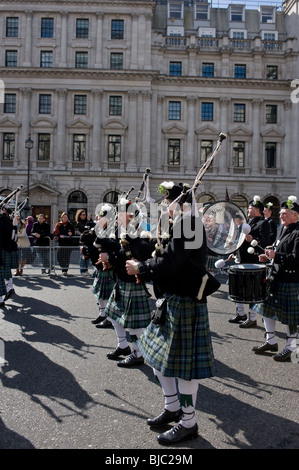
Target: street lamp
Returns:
[[28, 146]]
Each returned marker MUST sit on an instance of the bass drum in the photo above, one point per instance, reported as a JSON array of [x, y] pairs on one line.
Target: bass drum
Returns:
[[247, 283], [223, 222]]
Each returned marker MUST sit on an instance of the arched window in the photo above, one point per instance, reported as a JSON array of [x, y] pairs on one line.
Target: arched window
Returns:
[[76, 200], [205, 198], [111, 197], [240, 201]]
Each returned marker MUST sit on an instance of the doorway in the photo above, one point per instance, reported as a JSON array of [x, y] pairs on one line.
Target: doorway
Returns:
[[46, 210]]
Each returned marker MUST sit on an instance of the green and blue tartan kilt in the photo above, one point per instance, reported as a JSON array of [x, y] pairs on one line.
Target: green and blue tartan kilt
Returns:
[[9, 262], [282, 305], [103, 284], [211, 260], [182, 347], [132, 309], [2, 283]]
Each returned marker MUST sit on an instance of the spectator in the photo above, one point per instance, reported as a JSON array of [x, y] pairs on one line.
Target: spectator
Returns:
[[64, 231], [82, 224], [42, 235]]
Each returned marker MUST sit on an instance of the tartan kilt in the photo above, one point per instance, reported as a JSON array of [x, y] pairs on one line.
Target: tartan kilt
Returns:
[[103, 284], [2, 282], [132, 309], [182, 347], [9, 262], [282, 305]]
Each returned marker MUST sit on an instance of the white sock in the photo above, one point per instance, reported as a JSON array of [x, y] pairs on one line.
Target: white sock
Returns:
[[240, 309], [252, 314], [136, 332], [291, 340], [270, 326], [9, 284], [189, 388], [168, 384], [102, 304], [120, 333]]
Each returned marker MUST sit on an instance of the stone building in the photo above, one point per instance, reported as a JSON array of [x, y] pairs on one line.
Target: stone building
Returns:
[[107, 89]]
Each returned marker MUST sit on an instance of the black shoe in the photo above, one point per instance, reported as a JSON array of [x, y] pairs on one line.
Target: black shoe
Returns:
[[265, 347], [284, 356], [9, 294], [178, 434], [114, 355], [238, 319], [165, 417], [105, 324], [2, 305], [131, 361], [99, 319], [248, 324]]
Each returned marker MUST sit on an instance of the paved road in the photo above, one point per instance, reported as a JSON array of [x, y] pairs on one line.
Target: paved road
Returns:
[[59, 391]]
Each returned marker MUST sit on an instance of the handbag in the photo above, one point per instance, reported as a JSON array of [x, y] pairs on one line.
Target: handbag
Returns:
[[159, 315], [209, 285]]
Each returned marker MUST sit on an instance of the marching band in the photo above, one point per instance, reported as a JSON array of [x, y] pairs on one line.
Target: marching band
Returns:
[[175, 339]]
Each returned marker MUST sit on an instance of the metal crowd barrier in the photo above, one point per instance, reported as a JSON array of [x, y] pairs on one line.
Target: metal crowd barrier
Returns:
[[50, 259]]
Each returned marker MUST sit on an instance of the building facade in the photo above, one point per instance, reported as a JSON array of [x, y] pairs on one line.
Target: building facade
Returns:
[[108, 89]]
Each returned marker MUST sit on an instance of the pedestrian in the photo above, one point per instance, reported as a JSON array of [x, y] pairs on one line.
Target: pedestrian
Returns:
[[82, 224], [178, 347], [282, 302], [29, 225], [42, 234], [23, 245], [260, 230], [64, 231], [128, 307], [7, 259], [268, 211]]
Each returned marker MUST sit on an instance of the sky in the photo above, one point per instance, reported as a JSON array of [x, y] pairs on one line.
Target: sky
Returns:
[[248, 4]]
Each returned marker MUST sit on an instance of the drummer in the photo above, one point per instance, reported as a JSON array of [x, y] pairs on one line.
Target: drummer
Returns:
[[260, 232]]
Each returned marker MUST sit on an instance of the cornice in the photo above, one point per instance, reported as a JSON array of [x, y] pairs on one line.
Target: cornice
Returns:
[[79, 3]]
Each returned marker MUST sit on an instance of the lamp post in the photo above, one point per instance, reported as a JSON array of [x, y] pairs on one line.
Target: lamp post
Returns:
[[28, 146]]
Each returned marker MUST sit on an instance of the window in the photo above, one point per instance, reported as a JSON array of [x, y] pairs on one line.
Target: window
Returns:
[[43, 147], [202, 12], [207, 111], [239, 154], [82, 28], [175, 69], [114, 148], [79, 147], [115, 105], [267, 15], [46, 59], [236, 13], [240, 71], [11, 58], [270, 148], [174, 151], [12, 27], [116, 61], [175, 10], [206, 148], [238, 35], [44, 104], [269, 36], [47, 27], [117, 29], [9, 146], [272, 72], [81, 60], [10, 100], [271, 113], [207, 70], [239, 112], [174, 110], [80, 104]]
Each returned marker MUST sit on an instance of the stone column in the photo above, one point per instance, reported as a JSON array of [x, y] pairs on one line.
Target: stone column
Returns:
[[96, 156], [61, 147], [148, 42], [287, 152], [134, 42], [132, 138], [99, 40], [26, 128], [28, 39], [222, 162], [63, 39], [160, 142], [189, 165], [146, 131], [256, 159]]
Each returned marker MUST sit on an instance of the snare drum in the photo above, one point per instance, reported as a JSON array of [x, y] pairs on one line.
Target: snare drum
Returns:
[[247, 283]]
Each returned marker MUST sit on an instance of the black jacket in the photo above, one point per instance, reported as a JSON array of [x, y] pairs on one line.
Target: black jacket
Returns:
[[6, 228], [44, 231], [286, 261], [260, 231]]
